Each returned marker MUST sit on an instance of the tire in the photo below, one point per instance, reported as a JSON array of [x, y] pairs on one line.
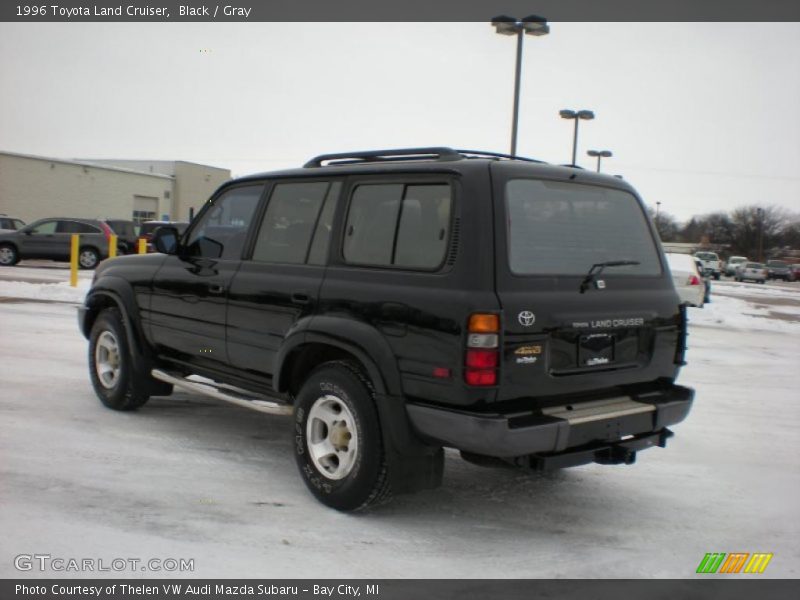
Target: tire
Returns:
[[337, 438], [716, 276], [110, 366], [8, 255], [88, 258]]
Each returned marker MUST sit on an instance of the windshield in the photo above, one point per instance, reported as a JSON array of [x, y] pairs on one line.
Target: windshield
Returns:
[[559, 228]]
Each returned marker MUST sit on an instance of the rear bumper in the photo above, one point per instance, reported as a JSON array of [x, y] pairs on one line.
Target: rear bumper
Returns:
[[562, 428]]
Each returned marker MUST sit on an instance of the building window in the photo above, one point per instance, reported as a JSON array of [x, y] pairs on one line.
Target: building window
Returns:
[[140, 216]]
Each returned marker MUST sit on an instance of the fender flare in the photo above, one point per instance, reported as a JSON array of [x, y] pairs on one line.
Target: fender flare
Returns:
[[358, 338], [121, 293]]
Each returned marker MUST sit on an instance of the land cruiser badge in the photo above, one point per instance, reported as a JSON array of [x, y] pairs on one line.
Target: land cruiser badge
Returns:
[[526, 318]]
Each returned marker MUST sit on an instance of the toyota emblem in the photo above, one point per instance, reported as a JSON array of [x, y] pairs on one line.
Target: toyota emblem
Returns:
[[526, 318]]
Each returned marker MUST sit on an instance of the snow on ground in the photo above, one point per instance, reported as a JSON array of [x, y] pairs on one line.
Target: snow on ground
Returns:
[[58, 292], [187, 477]]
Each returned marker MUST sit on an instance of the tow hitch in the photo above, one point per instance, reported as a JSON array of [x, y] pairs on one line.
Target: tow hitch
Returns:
[[622, 452]]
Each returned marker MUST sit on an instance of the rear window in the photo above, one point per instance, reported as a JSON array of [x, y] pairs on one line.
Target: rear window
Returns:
[[559, 228], [398, 225], [122, 228], [777, 263], [754, 266], [707, 256]]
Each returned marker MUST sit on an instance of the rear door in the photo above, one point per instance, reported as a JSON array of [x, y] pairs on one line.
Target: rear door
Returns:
[[622, 328], [278, 284]]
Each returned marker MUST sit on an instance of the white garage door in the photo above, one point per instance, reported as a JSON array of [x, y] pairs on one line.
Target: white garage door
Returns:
[[145, 208]]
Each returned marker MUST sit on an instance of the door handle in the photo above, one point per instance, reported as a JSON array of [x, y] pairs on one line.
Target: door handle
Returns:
[[300, 298], [216, 288]]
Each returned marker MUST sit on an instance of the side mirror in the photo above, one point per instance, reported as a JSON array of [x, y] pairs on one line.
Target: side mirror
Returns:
[[165, 239]]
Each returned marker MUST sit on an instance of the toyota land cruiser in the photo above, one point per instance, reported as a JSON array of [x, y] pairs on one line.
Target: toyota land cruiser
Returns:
[[394, 303]]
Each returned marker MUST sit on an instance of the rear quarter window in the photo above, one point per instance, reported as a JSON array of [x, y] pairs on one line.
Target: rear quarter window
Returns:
[[403, 225], [556, 228]]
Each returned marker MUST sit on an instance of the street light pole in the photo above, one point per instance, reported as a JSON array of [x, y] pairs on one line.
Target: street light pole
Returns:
[[586, 115], [600, 154], [530, 25], [517, 77], [658, 208]]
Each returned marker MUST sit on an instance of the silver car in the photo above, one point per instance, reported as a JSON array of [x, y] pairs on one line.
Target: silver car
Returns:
[[752, 272], [51, 239]]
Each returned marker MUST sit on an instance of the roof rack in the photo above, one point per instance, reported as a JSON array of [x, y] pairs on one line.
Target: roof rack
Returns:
[[481, 154], [440, 153], [437, 153]]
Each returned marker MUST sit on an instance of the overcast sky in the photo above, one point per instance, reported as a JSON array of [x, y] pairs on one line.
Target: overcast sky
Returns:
[[699, 116]]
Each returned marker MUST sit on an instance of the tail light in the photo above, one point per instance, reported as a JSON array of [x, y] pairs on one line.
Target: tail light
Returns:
[[482, 355], [694, 280], [106, 231]]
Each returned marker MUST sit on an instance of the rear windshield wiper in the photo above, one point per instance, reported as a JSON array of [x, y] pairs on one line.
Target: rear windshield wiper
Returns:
[[597, 268]]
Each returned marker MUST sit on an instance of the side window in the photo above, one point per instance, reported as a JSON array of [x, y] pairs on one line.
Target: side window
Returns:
[[222, 230], [290, 221], [46, 227], [401, 225], [75, 227]]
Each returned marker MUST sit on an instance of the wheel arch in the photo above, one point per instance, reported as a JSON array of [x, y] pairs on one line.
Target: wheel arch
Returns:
[[323, 339]]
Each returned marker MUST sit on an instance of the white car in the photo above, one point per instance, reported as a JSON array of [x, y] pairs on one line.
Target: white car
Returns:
[[688, 282], [711, 263], [734, 262]]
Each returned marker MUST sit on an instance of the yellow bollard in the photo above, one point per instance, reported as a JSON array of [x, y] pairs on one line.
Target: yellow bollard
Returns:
[[73, 259], [112, 246], [142, 246]]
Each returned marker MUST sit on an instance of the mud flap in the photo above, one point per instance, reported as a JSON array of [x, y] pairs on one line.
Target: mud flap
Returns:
[[412, 464]]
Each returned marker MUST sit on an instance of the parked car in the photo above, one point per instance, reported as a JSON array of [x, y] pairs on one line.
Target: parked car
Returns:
[[706, 282], [148, 228], [10, 223], [711, 264], [397, 302], [733, 263], [687, 279], [51, 239], [752, 271], [778, 269], [126, 234], [795, 268]]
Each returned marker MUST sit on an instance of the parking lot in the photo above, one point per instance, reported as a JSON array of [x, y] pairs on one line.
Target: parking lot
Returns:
[[187, 477]]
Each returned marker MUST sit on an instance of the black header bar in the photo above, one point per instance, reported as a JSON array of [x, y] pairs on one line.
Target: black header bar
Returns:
[[397, 10]]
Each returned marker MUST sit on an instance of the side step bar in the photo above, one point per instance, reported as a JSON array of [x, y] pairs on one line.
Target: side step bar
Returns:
[[221, 391]]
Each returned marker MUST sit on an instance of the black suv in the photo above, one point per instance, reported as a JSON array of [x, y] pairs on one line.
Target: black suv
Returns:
[[398, 302]]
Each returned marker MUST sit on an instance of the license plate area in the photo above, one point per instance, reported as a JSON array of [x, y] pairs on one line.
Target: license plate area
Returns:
[[596, 349]]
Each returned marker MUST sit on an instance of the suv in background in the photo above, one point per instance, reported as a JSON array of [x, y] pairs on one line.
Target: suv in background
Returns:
[[711, 264], [51, 239], [394, 303], [148, 228], [126, 234], [10, 224], [734, 262], [778, 269]]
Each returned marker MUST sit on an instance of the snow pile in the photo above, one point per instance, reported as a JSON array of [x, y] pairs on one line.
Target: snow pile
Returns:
[[734, 313], [59, 292]]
